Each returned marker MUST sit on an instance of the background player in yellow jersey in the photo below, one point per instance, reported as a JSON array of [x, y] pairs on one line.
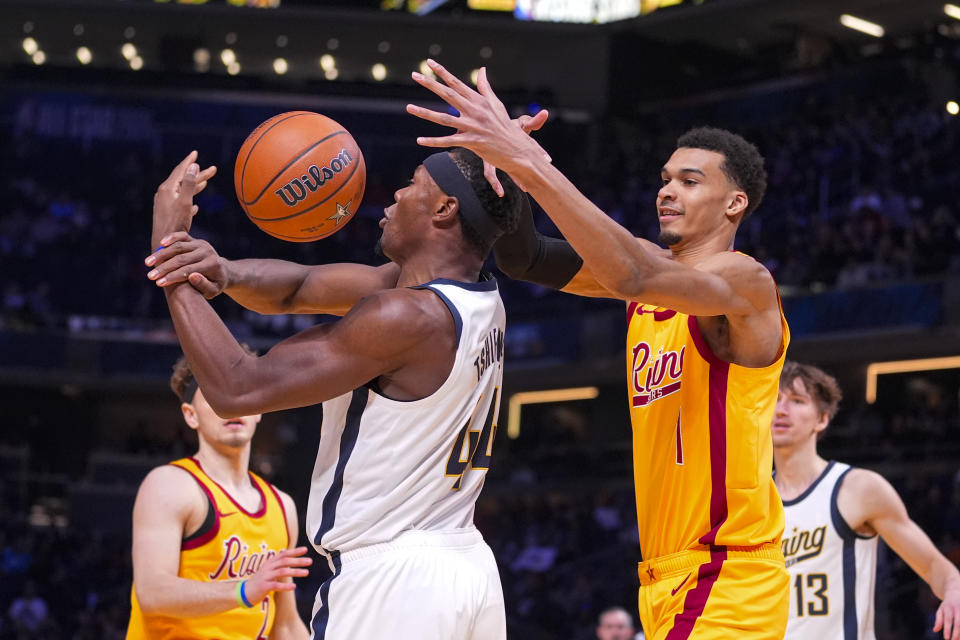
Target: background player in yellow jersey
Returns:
[[834, 514], [705, 351], [213, 552]]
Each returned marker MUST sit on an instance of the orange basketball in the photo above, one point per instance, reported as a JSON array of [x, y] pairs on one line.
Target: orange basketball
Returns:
[[300, 176]]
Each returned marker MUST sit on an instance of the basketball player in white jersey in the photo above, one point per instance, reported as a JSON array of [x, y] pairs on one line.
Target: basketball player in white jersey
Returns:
[[834, 514], [410, 381]]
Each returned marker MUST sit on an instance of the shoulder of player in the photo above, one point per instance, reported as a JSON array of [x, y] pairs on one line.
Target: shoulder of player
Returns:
[[408, 314], [868, 492], [653, 248], [171, 488], [745, 275]]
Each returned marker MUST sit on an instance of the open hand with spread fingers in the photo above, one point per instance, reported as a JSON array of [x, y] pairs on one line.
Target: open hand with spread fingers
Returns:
[[173, 207], [483, 125], [276, 574]]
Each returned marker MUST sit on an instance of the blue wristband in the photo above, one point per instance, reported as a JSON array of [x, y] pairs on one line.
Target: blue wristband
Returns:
[[243, 595]]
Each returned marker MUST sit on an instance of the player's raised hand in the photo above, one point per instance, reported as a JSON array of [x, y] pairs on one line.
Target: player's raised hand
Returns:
[[528, 124], [948, 616], [483, 124], [173, 207], [275, 574], [185, 258]]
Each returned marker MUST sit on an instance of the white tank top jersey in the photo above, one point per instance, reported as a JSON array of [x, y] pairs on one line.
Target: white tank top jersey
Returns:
[[386, 466], [832, 569]]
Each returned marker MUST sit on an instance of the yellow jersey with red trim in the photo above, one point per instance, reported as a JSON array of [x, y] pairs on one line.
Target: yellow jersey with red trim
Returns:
[[702, 449], [230, 545]]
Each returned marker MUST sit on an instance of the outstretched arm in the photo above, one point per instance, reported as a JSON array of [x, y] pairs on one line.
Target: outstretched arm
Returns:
[[885, 513], [731, 286], [267, 286]]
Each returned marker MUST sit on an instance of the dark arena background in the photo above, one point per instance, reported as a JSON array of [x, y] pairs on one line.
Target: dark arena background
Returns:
[[860, 227]]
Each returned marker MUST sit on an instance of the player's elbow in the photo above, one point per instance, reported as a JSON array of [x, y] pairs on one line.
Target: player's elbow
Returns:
[[150, 599]]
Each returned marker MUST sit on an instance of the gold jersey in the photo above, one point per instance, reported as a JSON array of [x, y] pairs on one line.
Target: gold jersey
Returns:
[[702, 449], [231, 544]]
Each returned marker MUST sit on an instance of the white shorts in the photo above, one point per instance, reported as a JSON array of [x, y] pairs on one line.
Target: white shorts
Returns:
[[423, 585]]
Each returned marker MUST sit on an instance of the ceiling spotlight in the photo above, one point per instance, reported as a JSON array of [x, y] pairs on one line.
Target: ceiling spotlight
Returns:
[[952, 10], [327, 62], [332, 44], [28, 27], [84, 55], [78, 29], [231, 38], [282, 41], [953, 108], [379, 72], [233, 68], [30, 46], [383, 47], [426, 70], [486, 52], [861, 25], [473, 76], [201, 56], [228, 57], [129, 33], [435, 49], [128, 50], [331, 74], [39, 57], [136, 63], [280, 66]]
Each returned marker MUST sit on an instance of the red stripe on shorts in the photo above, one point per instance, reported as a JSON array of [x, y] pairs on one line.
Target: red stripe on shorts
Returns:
[[696, 598]]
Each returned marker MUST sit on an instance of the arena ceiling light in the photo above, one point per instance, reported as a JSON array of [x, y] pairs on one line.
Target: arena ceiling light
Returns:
[[129, 51], [331, 74], [38, 57], [953, 107], [30, 46], [861, 25], [876, 369], [327, 62], [136, 63], [517, 401], [228, 57], [379, 72], [84, 55], [952, 10], [280, 66]]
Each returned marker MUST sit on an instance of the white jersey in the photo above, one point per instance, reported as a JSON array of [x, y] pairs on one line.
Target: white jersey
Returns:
[[832, 569], [385, 466]]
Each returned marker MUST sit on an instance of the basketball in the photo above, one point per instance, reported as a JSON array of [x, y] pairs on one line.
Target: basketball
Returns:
[[300, 176]]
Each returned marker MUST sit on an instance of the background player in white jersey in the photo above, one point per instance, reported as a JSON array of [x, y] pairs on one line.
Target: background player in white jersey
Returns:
[[834, 514], [410, 383]]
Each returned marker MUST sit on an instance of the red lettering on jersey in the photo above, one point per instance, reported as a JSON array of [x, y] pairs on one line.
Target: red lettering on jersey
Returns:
[[661, 377], [235, 565]]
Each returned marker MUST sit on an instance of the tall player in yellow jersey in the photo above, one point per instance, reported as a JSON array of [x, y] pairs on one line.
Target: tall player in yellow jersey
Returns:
[[213, 552], [706, 342]]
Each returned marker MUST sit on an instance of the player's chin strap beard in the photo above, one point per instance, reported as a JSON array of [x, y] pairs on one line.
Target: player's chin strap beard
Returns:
[[452, 182]]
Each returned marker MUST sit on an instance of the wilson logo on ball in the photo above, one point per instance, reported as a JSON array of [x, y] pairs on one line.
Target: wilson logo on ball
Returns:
[[296, 190]]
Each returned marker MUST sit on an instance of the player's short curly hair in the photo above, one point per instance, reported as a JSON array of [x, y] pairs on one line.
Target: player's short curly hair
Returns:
[[182, 377], [821, 386], [742, 162], [505, 211]]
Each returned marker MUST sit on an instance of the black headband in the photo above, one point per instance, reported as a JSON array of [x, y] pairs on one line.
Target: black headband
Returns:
[[452, 182], [189, 390]]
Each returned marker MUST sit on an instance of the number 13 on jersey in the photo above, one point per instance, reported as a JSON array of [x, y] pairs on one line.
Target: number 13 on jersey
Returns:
[[474, 446]]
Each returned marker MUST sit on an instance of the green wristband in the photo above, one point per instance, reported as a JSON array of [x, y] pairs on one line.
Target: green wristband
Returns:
[[239, 593]]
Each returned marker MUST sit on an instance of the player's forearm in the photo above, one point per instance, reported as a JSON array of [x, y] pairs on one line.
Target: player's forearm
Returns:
[[610, 251], [944, 577], [289, 629], [265, 286], [215, 356], [174, 596]]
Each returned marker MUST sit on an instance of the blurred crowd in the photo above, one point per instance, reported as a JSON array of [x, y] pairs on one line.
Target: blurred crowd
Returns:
[[861, 190]]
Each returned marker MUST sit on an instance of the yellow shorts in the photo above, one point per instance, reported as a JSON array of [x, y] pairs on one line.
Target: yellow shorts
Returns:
[[723, 593]]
